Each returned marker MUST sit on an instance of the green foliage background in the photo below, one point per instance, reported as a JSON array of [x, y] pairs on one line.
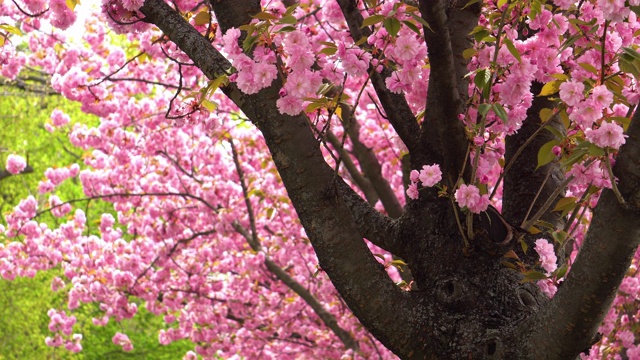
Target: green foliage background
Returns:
[[24, 302]]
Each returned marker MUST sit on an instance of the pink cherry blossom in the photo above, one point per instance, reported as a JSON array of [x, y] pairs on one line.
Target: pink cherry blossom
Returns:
[[15, 164], [481, 205], [58, 118], [548, 259], [290, 105], [467, 195], [430, 175], [407, 47], [609, 134], [601, 96], [121, 339], [571, 92], [412, 191]]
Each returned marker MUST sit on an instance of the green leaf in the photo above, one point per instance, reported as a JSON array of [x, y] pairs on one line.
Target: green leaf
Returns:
[[249, 41], [559, 236], [372, 20], [595, 150], [421, 21], [392, 25], [215, 84], [71, 4], [314, 105], [411, 26], [512, 49], [398, 263], [469, 53], [524, 246], [533, 275], [633, 53], [289, 19], [483, 109], [499, 110], [501, 3], [482, 78], [202, 18], [471, 2], [12, 29], [533, 230], [561, 272], [511, 255], [545, 154], [361, 41], [629, 65], [565, 203], [286, 29], [577, 155], [291, 9], [550, 88], [481, 34], [265, 16], [554, 131], [328, 51], [209, 105], [545, 225], [590, 68]]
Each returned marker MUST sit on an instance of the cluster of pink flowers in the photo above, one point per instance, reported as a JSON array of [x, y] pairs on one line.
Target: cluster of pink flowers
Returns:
[[122, 340], [608, 135], [429, 176], [469, 196], [252, 76], [62, 16], [62, 326], [15, 164], [59, 118], [549, 262]]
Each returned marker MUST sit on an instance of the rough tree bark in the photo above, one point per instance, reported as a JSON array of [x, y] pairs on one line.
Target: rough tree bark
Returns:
[[467, 305]]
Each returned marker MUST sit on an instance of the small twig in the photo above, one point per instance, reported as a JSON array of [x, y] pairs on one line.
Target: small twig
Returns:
[[612, 178]]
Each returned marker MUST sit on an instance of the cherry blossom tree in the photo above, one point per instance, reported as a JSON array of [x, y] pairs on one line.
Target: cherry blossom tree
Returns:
[[342, 178]]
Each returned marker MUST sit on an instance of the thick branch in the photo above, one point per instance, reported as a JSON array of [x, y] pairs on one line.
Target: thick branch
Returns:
[[526, 188], [395, 105], [362, 182], [372, 169], [233, 13], [441, 128], [5, 173], [363, 283], [376, 227], [41, 87], [567, 326], [522, 181]]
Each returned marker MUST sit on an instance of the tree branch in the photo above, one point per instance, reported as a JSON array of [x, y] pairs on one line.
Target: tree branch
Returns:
[[526, 189], [4, 173], [374, 226], [372, 169], [395, 105], [569, 323], [441, 123], [362, 182]]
